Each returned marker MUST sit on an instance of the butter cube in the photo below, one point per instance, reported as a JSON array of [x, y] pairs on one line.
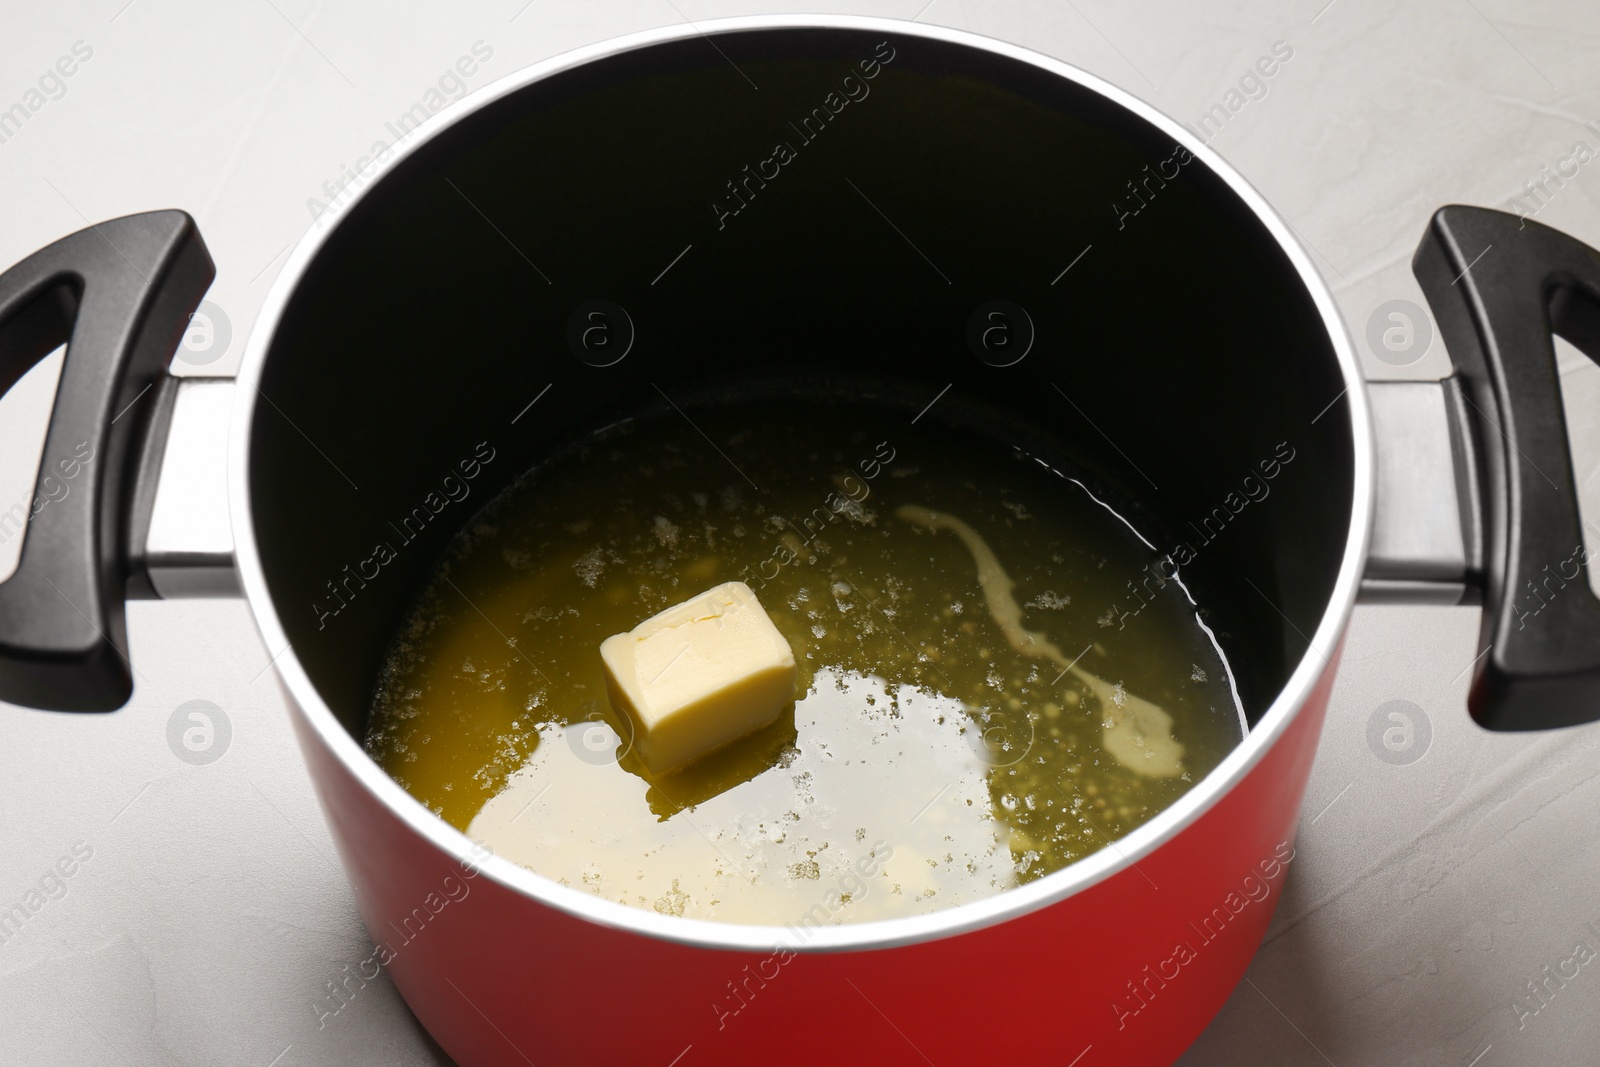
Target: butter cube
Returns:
[[698, 675]]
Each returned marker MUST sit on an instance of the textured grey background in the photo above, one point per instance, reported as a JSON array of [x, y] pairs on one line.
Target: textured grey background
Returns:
[[212, 911]]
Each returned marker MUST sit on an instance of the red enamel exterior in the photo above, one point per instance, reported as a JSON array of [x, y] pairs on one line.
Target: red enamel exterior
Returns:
[[1126, 970], [501, 978]]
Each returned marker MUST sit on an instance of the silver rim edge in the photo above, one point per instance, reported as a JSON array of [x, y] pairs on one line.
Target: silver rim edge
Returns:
[[856, 936]]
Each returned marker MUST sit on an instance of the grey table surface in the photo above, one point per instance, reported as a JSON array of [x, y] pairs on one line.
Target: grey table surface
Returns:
[[211, 911]]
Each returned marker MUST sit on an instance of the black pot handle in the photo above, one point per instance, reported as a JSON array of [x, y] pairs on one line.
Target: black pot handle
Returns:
[[119, 295], [1500, 286]]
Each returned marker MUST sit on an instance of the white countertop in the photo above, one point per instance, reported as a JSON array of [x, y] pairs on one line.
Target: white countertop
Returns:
[[211, 910]]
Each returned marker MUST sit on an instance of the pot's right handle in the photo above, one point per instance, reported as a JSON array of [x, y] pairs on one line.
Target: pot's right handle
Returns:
[[1499, 286]]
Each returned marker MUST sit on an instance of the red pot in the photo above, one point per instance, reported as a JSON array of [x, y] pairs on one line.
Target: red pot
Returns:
[[1193, 331]]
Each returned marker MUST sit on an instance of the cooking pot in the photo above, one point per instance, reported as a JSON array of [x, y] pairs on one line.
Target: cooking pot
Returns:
[[900, 210]]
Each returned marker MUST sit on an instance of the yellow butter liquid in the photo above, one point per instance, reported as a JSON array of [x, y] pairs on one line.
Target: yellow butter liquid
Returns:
[[926, 761]]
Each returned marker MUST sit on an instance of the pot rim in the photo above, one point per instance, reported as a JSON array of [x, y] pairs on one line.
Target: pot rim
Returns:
[[883, 933]]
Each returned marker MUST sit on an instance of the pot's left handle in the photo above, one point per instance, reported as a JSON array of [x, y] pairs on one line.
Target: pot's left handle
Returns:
[[119, 295]]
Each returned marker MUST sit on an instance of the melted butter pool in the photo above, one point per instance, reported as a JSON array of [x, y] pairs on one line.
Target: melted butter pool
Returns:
[[931, 758], [819, 819]]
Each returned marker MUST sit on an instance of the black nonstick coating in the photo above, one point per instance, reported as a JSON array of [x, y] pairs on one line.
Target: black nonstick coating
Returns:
[[1175, 351]]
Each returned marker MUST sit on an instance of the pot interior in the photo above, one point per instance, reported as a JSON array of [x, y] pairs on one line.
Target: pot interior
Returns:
[[1176, 353]]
